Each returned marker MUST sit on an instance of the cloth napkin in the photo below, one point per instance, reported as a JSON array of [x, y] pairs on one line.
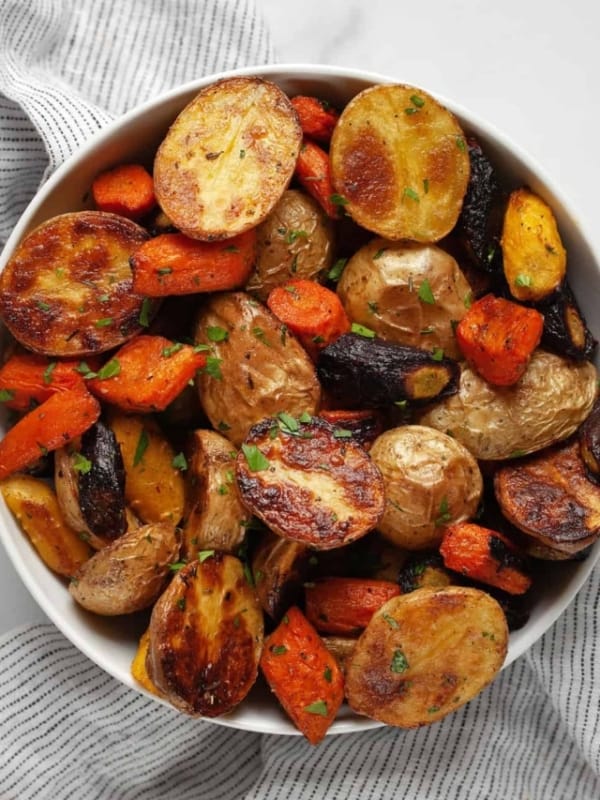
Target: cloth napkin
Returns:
[[69, 730]]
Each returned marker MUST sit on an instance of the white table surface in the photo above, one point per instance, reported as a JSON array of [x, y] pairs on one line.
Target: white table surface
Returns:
[[530, 67]]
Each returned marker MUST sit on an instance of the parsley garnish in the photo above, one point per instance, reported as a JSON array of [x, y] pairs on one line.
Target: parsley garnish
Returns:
[[523, 280], [409, 192], [172, 349], [204, 554], [180, 462], [104, 322], [335, 272], [319, 707], [444, 514], [437, 354], [109, 370], [426, 294], [141, 447], [256, 461], [338, 200], [6, 395], [48, 372], [399, 663], [278, 649], [81, 464], [361, 330], [146, 308], [217, 334]]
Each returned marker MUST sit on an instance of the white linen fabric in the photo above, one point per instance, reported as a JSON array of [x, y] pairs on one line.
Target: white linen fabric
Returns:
[[69, 730]]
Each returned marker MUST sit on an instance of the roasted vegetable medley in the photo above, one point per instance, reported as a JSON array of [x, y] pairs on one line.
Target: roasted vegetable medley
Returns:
[[311, 395]]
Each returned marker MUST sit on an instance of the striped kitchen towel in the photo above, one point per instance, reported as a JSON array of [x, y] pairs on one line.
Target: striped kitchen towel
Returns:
[[69, 730]]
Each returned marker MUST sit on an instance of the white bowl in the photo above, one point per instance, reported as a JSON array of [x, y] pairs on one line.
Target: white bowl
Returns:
[[111, 643]]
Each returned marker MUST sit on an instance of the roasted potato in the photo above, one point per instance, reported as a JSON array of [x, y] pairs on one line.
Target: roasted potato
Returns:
[[550, 498], [154, 485], [206, 636], [215, 515], [430, 481], [309, 482], [414, 294], [399, 159], [534, 258], [341, 648], [295, 241], [227, 158], [546, 406], [35, 507], [138, 665], [279, 567], [589, 441], [425, 654], [258, 367], [67, 290], [128, 574]]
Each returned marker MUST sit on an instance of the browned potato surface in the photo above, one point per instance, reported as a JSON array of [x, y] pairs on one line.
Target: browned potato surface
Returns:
[[309, 482], [341, 648], [400, 161], [550, 498], [35, 508], [128, 574], [67, 290], [430, 480], [414, 294], [215, 513], [425, 654], [295, 241], [534, 258], [206, 635], [262, 369], [227, 158], [138, 665], [279, 566], [546, 406]]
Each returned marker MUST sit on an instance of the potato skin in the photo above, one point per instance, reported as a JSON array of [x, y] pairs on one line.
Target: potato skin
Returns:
[[430, 480], [128, 574], [546, 406], [380, 288], [404, 175], [227, 158], [425, 654], [68, 274], [295, 241], [206, 636], [264, 369]]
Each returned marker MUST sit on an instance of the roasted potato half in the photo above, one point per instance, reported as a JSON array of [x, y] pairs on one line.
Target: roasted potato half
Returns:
[[425, 654], [35, 507], [259, 367], [128, 574], [547, 405], [227, 158], [413, 294], [215, 515], [206, 636], [67, 290], [430, 479], [400, 161], [279, 567], [295, 241]]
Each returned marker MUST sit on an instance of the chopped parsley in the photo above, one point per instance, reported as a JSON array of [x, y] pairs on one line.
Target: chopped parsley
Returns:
[[411, 194], [523, 280], [335, 273], [319, 707], [204, 554], [425, 293], [256, 461], [81, 464], [48, 372], [217, 334], [141, 447], [399, 663], [180, 462], [361, 330], [145, 310]]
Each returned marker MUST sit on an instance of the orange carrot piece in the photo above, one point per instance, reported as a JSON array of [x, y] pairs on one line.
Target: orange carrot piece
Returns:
[[303, 674], [312, 312], [172, 263], [498, 337], [317, 118], [27, 379], [314, 173], [127, 190], [149, 373], [484, 555], [345, 605], [57, 421]]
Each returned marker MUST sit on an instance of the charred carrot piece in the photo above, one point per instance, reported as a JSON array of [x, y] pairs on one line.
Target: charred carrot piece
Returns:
[[56, 422], [317, 117], [346, 605], [172, 263], [303, 675], [498, 338], [127, 190], [366, 424], [27, 380], [312, 312], [314, 173], [147, 374], [484, 555]]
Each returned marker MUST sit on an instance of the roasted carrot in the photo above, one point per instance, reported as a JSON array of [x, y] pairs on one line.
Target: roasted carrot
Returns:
[[312, 312], [346, 605], [147, 374], [172, 263], [366, 424], [27, 380], [317, 118], [303, 674], [314, 173], [498, 338], [127, 190], [484, 555], [53, 424]]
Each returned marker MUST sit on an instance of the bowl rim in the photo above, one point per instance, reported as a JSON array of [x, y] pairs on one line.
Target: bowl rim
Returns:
[[519, 644]]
